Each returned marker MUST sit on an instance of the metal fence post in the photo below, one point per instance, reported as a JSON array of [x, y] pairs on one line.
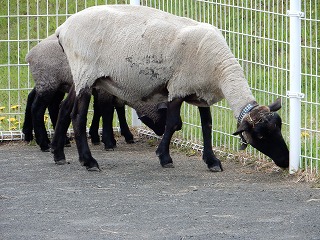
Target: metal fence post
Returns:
[[135, 120], [135, 2], [294, 93]]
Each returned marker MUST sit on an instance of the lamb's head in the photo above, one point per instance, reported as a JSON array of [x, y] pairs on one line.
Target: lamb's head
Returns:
[[154, 116], [261, 128]]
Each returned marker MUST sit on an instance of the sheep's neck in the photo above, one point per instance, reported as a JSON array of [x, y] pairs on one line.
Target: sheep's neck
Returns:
[[236, 90]]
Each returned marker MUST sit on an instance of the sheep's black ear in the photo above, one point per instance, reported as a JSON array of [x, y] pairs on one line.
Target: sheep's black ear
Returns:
[[244, 126], [276, 105]]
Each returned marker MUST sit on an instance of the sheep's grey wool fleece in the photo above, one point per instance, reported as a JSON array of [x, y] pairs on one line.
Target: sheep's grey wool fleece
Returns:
[[143, 54], [49, 66]]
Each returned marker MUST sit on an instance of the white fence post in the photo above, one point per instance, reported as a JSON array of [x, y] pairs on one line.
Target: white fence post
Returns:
[[135, 120], [135, 2], [295, 94]]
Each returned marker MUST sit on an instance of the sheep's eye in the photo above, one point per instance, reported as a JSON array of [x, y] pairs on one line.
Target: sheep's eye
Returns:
[[261, 134]]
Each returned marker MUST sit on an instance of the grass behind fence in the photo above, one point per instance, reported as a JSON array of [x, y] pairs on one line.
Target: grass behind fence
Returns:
[[256, 31]]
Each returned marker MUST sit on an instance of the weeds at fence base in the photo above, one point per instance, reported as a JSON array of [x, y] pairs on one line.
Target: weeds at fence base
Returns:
[[249, 163], [252, 164], [305, 176]]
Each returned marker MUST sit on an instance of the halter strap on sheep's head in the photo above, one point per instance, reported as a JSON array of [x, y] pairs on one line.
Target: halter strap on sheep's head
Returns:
[[243, 113], [251, 115], [246, 110]]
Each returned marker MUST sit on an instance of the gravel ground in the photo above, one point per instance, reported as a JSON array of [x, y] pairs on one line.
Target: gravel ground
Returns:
[[134, 198]]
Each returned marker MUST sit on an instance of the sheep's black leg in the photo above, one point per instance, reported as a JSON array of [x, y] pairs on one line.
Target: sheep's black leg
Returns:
[[54, 107], [54, 111], [173, 123], [62, 125], [27, 124], [125, 131], [107, 130], [209, 158], [94, 128], [103, 106], [79, 120], [38, 109]]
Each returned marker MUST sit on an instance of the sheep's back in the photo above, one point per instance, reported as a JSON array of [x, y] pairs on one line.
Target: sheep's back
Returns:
[[136, 52], [49, 66]]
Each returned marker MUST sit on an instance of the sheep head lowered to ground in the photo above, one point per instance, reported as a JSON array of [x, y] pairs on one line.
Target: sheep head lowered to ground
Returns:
[[261, 128], [154, 116], [146, 56]]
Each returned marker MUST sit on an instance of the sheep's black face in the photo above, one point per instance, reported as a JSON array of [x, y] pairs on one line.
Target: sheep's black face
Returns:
[[155, 118], [267, 138], [262, 130], [158, 127]]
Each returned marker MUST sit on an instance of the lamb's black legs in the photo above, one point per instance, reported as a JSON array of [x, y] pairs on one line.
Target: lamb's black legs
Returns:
[[54, 107], [125, 131], [79, 120], [34, 116], [103, 106], [173, 123], [209, 158], [38, 109], [107, 130], [27, 124], [94, 128]]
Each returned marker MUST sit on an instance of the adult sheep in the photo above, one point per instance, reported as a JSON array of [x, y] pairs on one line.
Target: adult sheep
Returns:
[[52, 75], [144, 55]]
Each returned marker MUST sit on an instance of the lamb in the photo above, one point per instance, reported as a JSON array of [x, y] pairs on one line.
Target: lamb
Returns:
[[52, 75], [144, 55]]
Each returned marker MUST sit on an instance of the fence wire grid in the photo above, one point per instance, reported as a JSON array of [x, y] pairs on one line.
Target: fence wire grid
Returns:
[[256, 31]]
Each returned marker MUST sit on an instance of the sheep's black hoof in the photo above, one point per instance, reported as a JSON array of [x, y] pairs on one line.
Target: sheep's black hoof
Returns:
[[45, 149], [213, 163], [130, 141], [67, 142], [91, 165], [168, 165], [128, 137], [110, 148], [109, 144], [93, 169], [28, 137], [165, 161], [95, 140], [215, 169], [61, 162]]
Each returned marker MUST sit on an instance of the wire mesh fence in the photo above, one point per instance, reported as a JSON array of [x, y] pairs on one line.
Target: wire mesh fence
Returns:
[[256, 31]]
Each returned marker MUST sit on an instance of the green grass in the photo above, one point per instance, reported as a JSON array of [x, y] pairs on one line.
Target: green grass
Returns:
[[259, 39]]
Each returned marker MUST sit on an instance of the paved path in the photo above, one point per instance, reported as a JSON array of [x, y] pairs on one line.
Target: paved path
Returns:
[[134, 198]]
